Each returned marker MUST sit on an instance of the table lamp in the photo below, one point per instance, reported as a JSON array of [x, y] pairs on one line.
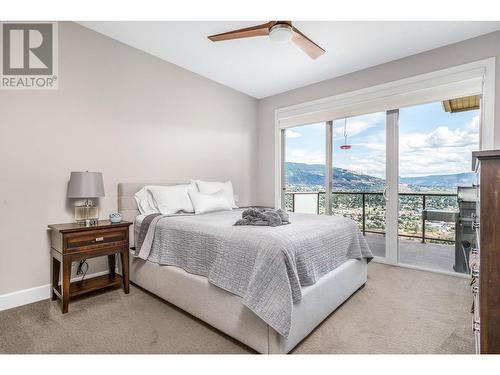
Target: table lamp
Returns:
[[86, 185]]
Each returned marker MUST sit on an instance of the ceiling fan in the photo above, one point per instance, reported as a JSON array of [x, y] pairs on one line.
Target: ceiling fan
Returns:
[[279, 32]]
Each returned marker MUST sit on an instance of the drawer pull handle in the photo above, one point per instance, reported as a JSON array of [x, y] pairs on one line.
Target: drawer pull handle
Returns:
[[476, 326], [99, 239], [475, 273]]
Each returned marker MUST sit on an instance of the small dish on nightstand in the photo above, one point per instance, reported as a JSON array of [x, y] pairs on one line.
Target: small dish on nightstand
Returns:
[[115, 218]]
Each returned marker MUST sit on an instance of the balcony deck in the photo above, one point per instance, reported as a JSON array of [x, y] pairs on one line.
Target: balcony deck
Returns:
[[413, 252]]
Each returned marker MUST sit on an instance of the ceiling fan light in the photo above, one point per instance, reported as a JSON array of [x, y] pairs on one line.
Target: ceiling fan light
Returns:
[[280, 33]]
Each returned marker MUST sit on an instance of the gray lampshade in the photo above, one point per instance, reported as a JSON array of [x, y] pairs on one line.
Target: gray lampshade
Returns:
[[85, 185]]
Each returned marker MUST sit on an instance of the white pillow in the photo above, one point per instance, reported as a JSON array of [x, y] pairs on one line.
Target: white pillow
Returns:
[[172, 199], [213, 187], [145, 202], [204, 203]]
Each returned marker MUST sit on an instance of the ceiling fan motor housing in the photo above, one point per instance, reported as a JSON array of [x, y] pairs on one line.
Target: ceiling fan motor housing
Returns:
[[281, 33]]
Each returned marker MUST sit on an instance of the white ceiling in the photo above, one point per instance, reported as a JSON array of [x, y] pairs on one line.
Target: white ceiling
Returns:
[[260, 68]]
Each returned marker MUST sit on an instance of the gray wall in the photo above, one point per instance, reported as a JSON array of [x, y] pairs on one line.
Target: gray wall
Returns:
[[119, 111], [460, 53]]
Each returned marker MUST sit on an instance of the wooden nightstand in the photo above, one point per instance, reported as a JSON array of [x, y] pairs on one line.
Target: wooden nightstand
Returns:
[[73, 242]]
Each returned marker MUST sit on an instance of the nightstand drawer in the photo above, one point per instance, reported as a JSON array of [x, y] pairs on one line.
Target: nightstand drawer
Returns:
[[98, 237]]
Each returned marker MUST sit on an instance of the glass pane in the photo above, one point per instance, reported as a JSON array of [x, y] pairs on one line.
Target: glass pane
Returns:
[[305, 168], [358, 176], [434, 163], [306, 203]]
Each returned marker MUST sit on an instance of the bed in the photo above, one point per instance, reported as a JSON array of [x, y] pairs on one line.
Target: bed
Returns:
[[230, 312]]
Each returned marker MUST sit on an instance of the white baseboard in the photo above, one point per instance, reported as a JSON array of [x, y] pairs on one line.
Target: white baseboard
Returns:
[[38, 293], [23, 297]]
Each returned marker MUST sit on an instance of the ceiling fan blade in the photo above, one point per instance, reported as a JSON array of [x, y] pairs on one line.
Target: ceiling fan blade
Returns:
[[307, 45], [248, 32]]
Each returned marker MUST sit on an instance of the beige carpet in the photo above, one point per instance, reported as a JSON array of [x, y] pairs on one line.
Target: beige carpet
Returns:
[[399, 311]]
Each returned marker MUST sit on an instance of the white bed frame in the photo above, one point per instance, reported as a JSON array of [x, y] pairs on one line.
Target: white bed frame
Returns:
[[223, 310]]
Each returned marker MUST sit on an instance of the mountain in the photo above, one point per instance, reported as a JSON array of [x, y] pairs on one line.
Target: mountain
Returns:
[[309, 175], [442, 180], [314, 174]]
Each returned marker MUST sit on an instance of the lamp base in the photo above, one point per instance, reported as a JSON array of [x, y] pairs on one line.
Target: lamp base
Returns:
[[87, 222], [87, 214]]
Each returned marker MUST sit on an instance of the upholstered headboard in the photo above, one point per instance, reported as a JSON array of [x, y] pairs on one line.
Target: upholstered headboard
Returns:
[[127, 206]]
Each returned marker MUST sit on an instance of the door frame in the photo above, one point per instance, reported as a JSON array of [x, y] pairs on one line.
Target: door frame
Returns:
[[392, 187]]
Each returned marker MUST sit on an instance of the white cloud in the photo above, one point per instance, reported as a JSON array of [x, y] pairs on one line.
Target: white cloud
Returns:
[[354, 127], [474, 124], [358, 124], [300, 156], [292, 134], [443, 136], [443, 151], [297, 153], [373, 166], [374, 142]]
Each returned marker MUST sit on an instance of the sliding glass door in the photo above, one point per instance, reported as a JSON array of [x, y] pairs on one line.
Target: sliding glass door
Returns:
[[304, 168], [435, 145], [341, 167], [399, 174], [359, 175]]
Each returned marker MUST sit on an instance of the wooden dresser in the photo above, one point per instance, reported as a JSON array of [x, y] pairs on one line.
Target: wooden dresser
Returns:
[[486, 267]]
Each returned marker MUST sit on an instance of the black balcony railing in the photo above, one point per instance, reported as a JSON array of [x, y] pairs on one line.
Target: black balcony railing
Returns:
[[424, 200]]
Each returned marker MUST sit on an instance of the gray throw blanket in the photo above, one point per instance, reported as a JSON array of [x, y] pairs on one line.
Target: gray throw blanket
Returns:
[[265, 266], [263, 217], [143, 230]]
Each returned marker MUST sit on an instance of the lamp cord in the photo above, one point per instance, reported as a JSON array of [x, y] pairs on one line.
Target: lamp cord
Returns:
[[79, 270], [345, 130]]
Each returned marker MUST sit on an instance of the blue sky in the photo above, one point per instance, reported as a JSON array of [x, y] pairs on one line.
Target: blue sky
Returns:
[[431, 141]]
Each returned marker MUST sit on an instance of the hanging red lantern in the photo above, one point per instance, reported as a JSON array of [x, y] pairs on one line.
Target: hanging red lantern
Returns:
[[345, 146]]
